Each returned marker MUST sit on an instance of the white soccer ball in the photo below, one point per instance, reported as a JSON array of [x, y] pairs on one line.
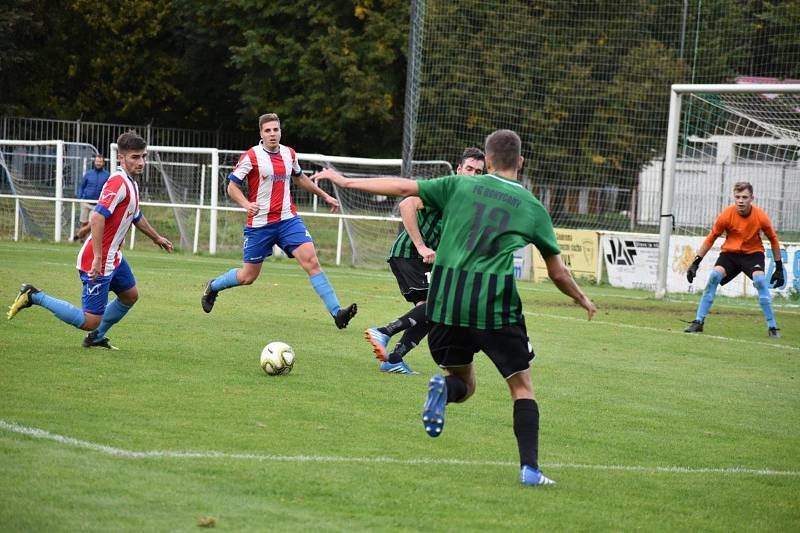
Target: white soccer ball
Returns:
[[277, 358]]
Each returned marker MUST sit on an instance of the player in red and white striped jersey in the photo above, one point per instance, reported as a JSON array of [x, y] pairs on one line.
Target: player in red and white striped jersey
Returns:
[[268, 169], [100, 264]]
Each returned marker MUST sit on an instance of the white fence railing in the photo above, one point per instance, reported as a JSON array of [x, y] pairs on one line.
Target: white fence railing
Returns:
[[74, 201]]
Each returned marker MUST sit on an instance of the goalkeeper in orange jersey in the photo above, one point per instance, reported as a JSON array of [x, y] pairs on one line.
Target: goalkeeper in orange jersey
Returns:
[[742, 251]]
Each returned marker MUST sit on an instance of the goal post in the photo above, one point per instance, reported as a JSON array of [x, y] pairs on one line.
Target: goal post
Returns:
[[185, 180], [37, 178], [720, 134]]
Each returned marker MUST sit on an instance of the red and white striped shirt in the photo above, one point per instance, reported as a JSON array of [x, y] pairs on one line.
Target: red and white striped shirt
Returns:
[[119, 203], [268, 176]]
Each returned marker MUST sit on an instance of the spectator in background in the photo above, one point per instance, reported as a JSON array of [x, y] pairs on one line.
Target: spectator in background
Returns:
[[91, 185]]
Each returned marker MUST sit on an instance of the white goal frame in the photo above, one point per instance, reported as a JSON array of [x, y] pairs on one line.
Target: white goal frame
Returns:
[[58, 200], [668, 189]]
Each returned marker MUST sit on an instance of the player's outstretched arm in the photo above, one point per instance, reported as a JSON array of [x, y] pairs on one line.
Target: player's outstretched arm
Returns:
[[144, 226], [392, 186], [408, 212], [305, 183], [558, 272]]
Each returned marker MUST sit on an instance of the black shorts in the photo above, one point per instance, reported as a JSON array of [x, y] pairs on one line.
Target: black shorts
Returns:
[[734, 263], [509, 348], [412, 277]]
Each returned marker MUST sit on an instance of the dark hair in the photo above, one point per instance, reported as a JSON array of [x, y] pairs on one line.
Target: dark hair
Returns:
[[740, 186], [267, 117], [472, 153], [130, 141], [503, 147]]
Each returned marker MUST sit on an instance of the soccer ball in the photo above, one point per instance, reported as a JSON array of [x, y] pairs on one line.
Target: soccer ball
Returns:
[[277, 358]]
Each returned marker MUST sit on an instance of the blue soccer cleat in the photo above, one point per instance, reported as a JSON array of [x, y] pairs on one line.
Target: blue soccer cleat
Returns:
[[379, 341], [396, 368], [433, 411], [532, 477]]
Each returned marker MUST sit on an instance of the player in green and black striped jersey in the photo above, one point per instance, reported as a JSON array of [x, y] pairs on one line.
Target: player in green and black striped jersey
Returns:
[[410, 259], [473, 301]]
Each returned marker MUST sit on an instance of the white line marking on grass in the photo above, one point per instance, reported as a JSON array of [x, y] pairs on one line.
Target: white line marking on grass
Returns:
[[732, 302], [166, 454], [667, 331]]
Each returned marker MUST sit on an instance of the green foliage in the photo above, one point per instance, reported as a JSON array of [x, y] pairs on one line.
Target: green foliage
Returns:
[[329, 69], [565, 74]]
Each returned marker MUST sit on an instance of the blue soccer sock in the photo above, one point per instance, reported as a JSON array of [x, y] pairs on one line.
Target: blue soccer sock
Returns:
[[113, 314], [64, 311], [323, 287], [708, 295], [226, 280], [765, 299]]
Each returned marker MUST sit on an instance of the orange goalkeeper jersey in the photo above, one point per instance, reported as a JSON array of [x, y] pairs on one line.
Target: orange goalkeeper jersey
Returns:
[[743, 234]]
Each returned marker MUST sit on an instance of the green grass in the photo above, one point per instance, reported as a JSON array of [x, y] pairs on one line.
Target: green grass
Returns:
[[627, 391]]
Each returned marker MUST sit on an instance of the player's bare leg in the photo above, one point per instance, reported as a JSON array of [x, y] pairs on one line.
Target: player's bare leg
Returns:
[[306, 256], [245, 275]]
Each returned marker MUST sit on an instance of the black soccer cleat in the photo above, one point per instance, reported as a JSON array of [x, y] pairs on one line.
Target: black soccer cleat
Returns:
[[22, 301], [343, 316], [91, 341], [695, 326], [209, 297], [774, 333]]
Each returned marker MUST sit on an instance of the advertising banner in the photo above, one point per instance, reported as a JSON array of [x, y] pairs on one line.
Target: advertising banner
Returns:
[[631, 261], [579, 251], [522, 263]]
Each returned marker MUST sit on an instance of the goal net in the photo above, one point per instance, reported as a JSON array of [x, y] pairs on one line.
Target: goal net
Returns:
[[39, 182], [178, 187], [720, 135], [585, 83]]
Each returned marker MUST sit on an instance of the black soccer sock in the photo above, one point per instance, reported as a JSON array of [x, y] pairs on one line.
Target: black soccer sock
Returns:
[[526, 428], [456, 388], [410, 319], [410, 339]]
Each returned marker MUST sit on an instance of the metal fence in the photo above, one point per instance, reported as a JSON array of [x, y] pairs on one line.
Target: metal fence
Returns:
[[101, 135]]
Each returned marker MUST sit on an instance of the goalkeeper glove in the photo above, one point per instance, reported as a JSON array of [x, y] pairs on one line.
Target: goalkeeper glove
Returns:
[[692, 272], [777, 279]]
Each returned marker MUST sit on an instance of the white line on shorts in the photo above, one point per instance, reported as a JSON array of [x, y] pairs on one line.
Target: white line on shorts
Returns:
[[166, 454]]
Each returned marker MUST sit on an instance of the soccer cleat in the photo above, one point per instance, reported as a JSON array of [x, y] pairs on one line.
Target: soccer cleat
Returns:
[[22, 300], [695, 326], [433, 411], [209, 297], [91, 341], [379, 341], [396, 368], [774, 332], [532, 477], [343, 315]]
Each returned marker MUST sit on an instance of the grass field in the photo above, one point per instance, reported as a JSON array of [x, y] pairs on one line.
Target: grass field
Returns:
[[643, 427]]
